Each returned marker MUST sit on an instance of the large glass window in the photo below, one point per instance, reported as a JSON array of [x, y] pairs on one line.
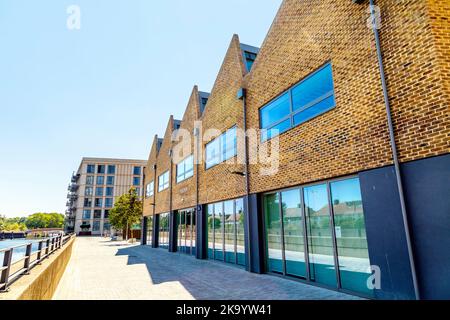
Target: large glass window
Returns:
[[111, 169], [109, 202], [308, 238], [137, 171], [218, 231], [97, 214], [210, 231], [163, 181], [320, 241], [110, 180], [240, 232], [149, 230], [226, 241], [109, 191], [294, 245], [306, 100], [149, 189], [90, 168], [185, 169], [353, 254], [96, 226], [89, 191], [136, 181], [100, 180], [101, 168], [88, 202], [164, 231], [273, 233], [186, 227], [98, 202], [221, 148], [230, 231], [90, 180], [99, 191], [86, 214]]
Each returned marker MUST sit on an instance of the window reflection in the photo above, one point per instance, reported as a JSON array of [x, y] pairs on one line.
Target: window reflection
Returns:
[[351, 238], [273, 231], [293, 233]]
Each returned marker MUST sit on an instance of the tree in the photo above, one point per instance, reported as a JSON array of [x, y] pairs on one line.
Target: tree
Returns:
[[126, 211], [45, 220]]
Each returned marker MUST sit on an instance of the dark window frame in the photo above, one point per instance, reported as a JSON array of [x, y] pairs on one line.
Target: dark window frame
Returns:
[[292, 112]]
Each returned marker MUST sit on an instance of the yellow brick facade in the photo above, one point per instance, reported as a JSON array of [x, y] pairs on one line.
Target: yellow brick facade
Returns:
[[352, 137]]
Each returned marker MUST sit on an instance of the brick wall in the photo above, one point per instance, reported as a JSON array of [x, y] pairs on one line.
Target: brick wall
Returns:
[[150, 176], [353, 136], [222, 112], [163, 163], [415, 39], [184, 193]]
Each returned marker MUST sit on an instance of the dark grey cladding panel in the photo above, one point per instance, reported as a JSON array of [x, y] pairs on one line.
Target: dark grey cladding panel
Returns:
[[385, 233], [427, 188]]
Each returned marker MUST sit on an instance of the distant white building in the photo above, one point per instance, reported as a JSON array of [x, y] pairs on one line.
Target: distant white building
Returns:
[[95, 187]]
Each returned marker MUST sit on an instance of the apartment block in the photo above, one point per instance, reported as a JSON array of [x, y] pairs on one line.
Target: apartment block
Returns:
[[342, 178], [95, 187]]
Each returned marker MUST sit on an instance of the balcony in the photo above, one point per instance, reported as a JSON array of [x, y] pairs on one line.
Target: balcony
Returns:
[[72, 196], [75, 178], [73, 187]]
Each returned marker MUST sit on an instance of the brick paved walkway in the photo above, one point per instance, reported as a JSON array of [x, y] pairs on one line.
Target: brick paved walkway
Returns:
[[100, 269]]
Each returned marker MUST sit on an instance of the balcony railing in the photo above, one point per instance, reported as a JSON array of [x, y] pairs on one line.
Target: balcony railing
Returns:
[[75, 177], [11, 270], [72, 196], [73, 187]]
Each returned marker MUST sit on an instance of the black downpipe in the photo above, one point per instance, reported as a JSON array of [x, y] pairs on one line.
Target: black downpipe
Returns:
[[395, 153], [243, 97]]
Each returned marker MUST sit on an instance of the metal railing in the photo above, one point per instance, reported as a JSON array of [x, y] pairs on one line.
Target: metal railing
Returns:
[[11, 270]]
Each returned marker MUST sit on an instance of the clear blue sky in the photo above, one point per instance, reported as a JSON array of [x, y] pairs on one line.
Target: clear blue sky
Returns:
[[63, 93]]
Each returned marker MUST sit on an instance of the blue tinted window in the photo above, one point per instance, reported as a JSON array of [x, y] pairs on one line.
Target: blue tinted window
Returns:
[[222, 148], [315, 110], [90, 168], [313, 89], [185, 169], [86, 214], [276, 130], [250, 58], [111, 169], [275, 111], [110, 180], [310, 98], [99, 191], [98, 202], [137, 171], [109, 191], [100, 180], [108, 202], [136, 181]]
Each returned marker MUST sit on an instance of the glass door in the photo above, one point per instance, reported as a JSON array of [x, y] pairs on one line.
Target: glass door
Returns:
[[193, 233], [318, 233], [186, 230], [293, 233], [320, 237]]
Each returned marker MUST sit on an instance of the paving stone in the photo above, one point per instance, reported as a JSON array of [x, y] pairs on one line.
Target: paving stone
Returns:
[[102, 270]]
